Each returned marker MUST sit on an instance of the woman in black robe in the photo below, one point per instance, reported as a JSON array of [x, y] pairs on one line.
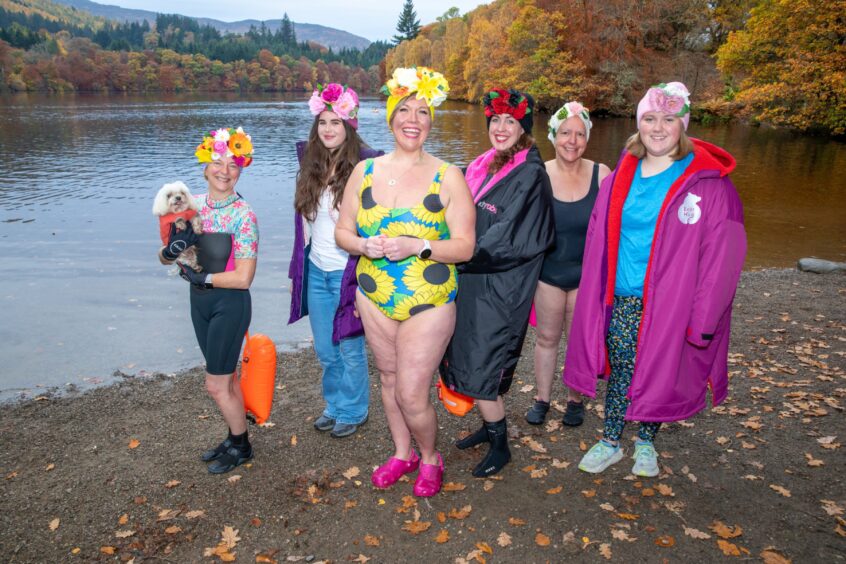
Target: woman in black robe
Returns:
[[514, 227]]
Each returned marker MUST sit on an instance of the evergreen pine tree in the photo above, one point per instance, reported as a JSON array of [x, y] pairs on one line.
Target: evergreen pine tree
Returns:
[[289, 36], [408, 25]]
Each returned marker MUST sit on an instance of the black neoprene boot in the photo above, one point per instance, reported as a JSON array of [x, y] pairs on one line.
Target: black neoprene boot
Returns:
[[477, 438], [499, 455], [219, 450], [537, 414], [238, 453]]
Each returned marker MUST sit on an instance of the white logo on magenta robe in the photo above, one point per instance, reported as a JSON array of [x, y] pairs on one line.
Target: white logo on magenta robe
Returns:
[[689, 212]]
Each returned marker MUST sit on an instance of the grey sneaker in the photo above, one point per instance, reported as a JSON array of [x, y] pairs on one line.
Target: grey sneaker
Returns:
[[646, 460], [324, 423], [342, 430], [599, 457]]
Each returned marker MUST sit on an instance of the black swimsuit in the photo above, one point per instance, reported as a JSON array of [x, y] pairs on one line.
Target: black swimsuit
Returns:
[[562, 265]]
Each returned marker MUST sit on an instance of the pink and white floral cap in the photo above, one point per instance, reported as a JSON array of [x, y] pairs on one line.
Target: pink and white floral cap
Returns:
[[671, 98], [337, 98]]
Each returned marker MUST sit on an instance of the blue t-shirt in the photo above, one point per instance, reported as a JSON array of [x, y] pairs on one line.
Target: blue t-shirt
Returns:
[[640, 214]]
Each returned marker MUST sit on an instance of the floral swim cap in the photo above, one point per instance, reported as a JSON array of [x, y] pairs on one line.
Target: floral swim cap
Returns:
[[226, 142], [565, 112], [335, 98], [672, 98], [428, 84]]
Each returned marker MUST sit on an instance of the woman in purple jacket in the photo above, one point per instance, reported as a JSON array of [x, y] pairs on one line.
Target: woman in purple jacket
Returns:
[[663, 256], [322, 274]]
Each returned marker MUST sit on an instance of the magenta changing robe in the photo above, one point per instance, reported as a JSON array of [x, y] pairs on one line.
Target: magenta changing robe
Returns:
[[694, 267]]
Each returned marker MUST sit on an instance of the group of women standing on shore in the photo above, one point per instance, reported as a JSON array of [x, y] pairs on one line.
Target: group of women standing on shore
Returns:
[[439, 268]]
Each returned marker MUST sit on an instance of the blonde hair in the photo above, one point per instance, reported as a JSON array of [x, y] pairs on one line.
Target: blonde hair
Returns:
[[635, 146]]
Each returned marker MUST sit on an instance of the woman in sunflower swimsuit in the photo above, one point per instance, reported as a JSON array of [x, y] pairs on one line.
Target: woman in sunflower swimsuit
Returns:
[[410, 217]]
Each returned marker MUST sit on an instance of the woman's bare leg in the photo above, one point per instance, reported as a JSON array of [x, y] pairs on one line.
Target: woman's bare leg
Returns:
[[550, 303], [226, 393], [421, 342], [381, 335]]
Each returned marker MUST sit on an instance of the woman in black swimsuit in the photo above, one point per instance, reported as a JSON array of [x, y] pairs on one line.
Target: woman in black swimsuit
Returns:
[[575, 183]]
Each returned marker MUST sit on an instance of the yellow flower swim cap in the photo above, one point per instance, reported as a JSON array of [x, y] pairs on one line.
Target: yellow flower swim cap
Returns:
[[428, 84]]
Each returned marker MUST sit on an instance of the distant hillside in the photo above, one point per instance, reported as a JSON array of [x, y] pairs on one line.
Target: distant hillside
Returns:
[[50, 11], [334, 38]]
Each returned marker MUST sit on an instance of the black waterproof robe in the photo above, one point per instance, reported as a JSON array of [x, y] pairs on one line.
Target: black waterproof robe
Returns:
[[514, 228]]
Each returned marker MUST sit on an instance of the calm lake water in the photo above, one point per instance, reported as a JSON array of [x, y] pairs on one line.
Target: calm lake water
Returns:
[[83, 295]]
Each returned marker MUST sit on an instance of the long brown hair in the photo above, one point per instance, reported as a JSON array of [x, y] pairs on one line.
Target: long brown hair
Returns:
[[502, 158], [316, 170]]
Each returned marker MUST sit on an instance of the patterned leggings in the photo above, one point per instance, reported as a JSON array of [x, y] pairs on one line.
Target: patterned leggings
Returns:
[[622, 346]]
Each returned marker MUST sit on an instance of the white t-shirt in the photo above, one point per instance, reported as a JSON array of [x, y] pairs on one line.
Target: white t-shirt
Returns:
[[325, 254]]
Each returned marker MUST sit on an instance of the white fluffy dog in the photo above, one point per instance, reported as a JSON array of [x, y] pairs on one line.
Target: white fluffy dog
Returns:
[[174, 204]]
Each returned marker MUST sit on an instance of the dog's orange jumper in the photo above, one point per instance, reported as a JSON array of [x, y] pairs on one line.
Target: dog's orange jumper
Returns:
[[167, 220]]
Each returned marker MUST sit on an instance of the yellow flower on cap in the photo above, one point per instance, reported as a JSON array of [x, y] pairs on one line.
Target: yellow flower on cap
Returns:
[[428, 84], [203, 152], [433, 87]]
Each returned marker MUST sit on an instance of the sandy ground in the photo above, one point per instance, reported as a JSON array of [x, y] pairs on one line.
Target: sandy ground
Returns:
[[760, 477]]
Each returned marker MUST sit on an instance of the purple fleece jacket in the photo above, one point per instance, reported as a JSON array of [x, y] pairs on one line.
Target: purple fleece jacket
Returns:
[[345, 324], [694, 266]]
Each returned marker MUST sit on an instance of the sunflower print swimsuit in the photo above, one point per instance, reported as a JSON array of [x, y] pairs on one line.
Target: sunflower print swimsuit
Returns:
[[406, 287]]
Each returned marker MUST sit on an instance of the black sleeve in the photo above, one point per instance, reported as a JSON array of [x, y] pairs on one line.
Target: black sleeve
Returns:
[[524, 230]]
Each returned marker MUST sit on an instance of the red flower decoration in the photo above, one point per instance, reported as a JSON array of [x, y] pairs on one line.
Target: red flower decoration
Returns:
[[500, 102]]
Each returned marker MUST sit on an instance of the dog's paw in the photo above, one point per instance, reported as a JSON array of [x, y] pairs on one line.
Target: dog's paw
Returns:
[[197, 224], [188, 258], [180, 224]]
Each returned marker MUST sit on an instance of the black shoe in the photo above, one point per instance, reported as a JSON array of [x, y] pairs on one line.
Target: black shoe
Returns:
[[324, 423], [575, 414], [477, 438], [499, 454], [231, 459], [537, 414], [216, 452]]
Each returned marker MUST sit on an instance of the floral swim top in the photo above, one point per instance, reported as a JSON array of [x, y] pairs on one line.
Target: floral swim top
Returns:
[[234, 216], [406, 287]]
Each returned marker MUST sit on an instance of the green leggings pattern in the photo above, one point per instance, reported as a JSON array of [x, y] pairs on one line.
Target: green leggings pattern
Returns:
[[622, 348]]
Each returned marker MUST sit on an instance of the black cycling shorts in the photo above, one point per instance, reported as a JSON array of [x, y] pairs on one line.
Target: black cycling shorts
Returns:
[[221, 318]]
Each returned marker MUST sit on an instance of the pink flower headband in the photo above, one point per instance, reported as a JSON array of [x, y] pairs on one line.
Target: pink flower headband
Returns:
[[333, 97], [672, 98]]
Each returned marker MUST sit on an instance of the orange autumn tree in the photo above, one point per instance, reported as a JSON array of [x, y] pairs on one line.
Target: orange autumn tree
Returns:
[[790, 60], [540, 63], [603, 53]]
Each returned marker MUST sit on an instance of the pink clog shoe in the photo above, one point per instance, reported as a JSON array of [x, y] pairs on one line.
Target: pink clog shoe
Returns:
[[387, 475], [429, 479]]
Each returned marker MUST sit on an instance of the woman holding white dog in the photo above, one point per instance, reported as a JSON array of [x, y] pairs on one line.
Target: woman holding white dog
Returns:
[[322, 274], [220, 299]]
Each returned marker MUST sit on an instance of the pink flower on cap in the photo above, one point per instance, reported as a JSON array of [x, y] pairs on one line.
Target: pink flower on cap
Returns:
[[331, 92], [672, 98], [316, 103], [220, 148], [346, 106]]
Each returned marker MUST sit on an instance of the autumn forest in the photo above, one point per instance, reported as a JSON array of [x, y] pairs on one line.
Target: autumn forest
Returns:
[[770, 61]]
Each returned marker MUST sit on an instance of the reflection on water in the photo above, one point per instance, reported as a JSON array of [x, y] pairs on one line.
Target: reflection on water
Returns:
[[85, 296]]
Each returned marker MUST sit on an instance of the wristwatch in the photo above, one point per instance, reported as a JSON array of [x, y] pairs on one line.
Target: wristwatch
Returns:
[[426, 251]]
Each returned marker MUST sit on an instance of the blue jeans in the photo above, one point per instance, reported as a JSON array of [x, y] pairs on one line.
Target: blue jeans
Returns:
[[346, 384]]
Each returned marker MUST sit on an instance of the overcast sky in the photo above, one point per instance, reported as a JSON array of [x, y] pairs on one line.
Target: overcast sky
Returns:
[[369, 18]]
